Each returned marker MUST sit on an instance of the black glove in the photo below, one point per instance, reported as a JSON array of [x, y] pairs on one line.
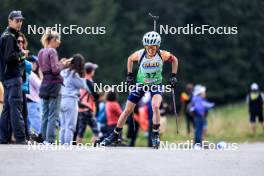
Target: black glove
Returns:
[[130, 79], [173, 80]]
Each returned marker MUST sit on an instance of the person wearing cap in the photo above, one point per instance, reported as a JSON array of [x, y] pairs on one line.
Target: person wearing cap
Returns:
[[87, 106], [11, 69], [199, 108], [255, 101]]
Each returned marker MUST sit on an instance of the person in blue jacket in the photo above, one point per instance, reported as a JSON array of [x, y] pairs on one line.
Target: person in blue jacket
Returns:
[[101, 117], [199, 107], [25, 90]]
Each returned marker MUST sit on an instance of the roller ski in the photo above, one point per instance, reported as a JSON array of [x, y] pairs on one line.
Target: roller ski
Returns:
[[155, 140], [113, 139]]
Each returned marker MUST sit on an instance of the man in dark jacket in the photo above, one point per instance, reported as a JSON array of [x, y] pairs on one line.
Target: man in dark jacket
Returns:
[[255, 101], [11, 70]]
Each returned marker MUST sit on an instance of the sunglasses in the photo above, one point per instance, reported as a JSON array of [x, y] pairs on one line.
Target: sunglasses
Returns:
[[18, 20], [21, 41]]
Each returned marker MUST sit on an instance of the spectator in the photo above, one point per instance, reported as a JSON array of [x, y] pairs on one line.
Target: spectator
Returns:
[[73, 82], [255, 101], [51, 85], [12, 66], [200, 107], [113, 111], [87, 106], [22, 42], [101, 116], [33, 99], [186, 98]]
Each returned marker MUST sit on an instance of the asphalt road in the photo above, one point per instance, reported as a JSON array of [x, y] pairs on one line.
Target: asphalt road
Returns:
[[17, 160]]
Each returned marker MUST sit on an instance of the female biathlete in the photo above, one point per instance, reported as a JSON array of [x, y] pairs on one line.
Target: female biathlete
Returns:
[[149, 74]]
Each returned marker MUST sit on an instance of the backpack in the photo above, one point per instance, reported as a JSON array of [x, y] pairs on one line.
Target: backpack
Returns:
[[88, 94]]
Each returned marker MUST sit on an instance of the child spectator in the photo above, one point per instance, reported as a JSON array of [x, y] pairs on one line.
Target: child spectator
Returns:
[[101, 116], [33, 99], [87, 106], [113, 111], [70, 92], [199, 108]]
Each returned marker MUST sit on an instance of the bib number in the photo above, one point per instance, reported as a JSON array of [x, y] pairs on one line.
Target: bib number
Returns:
[[151, 75]]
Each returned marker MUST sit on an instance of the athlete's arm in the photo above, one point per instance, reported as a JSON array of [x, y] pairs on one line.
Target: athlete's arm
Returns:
[[132, 58], [167, 56]]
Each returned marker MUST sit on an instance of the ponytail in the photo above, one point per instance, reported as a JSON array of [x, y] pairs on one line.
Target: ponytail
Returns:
[[48, 36]]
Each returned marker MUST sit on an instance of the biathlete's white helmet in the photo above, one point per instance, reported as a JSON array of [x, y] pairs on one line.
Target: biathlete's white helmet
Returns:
[[151, 38]]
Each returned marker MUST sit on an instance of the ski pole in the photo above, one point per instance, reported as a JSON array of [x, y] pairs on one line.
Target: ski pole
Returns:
[[155, 18], [175, 110]]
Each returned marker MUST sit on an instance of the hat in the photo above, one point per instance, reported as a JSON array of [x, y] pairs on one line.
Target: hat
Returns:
[[15, 14], [254, 86], [89, 66], [198, 89]]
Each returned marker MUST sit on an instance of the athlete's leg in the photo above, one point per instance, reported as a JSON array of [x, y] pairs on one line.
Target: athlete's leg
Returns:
[[133, 99], [156, 101], [130, 106], [115, 136]]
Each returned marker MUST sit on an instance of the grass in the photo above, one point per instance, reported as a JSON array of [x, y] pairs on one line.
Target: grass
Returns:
[[228, 123]]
